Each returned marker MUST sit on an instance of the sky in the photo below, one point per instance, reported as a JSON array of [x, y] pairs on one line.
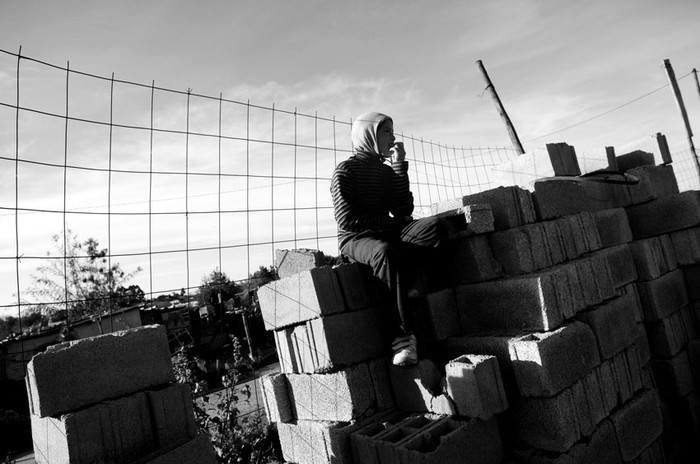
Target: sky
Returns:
[[587, 73]]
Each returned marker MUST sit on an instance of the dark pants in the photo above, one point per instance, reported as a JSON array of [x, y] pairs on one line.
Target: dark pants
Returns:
[[398, 258]]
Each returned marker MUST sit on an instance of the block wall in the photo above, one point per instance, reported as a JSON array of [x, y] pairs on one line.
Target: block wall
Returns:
[[566, 330], [112, 399]]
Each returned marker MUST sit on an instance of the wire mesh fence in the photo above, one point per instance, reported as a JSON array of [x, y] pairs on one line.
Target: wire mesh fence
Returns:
[[173, 184]]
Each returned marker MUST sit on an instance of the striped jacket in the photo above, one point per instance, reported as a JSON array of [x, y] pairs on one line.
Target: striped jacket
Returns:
[[370, 196]]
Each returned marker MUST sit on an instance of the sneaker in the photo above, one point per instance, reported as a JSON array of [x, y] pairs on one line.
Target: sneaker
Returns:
[[405, 351]]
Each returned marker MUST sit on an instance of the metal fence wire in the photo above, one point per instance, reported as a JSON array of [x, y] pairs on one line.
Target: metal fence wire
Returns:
[[175, 183]]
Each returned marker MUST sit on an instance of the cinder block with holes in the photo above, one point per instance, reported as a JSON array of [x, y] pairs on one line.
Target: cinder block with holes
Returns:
[[449, 440], [76, 374], [474, 384]]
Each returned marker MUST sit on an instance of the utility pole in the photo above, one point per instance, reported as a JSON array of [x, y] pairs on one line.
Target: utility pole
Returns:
[[679, 101], [501, 110], [697, 83]]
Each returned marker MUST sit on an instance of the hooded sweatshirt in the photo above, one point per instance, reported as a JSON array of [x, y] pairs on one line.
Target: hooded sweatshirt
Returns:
[[369, 196]]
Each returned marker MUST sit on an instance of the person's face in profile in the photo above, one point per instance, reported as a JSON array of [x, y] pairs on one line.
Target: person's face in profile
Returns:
[[385, 138]]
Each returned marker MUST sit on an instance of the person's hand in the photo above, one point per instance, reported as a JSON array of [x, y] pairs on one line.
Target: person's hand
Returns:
[[398, 152]]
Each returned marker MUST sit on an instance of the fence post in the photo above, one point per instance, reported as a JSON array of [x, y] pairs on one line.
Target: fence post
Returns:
[[679, 101], [501, 110]]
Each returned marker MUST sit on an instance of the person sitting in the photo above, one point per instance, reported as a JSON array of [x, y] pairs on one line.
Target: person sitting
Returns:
[[373, 207]]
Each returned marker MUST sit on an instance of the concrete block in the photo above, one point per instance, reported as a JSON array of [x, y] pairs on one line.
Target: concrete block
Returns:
[[285, 350], [468, 220], [340, 396], [630, 291], [545, 363], [359, 287], [637, 424], [511, 206], [613, 324], [275, 392], [686, 244], [530, 302], [653, 257], [72, 375], [634, 159], [420, 388], [605, 374], [362, 439], [606, 280], [113, 431], [474, 384], [674, 376], [388, 442], [199, 450], [290, 262], [556, 197], [311, 442], [341, 340], [555, 242], [665, 214], [624, 382], [438, 314], [595, 280], [470, 259], [493, 345], [549, 423], [654, 182], [172, 414], [620, 262], [584, 414], [450, 441], [300, 297], [613, 227], [379, 374], [663, 296], [513, 250], [667, 336], [596, 402]]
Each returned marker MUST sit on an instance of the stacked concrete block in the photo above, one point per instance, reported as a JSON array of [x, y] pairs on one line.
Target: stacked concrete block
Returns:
[[669, 213], [571, 323], [290, 262], [300, 297], [112, 399], [468, 220]]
